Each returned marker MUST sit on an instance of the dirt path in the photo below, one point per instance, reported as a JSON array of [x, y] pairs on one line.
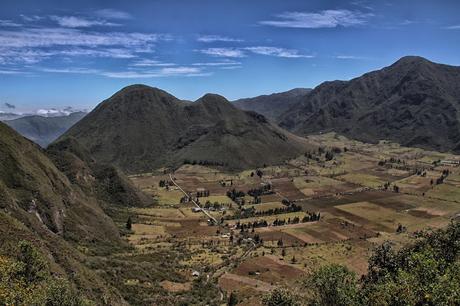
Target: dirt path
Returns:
[[193, 201]]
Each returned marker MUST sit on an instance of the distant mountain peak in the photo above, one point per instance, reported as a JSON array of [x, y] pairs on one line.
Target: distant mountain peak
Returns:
[[413, 102]]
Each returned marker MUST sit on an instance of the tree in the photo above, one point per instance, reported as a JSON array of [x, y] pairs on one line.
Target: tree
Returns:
[[333, 285], [232, 300], [279, 297], [129, 223]]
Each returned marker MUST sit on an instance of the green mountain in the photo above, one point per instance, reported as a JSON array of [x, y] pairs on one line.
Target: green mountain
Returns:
[[272, 105], [141, 128], [59, 211], [414, 102]]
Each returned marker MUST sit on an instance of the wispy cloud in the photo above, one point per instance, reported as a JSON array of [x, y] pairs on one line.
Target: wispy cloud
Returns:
[[261, 50], [70, 70], [9, 23], [231, 67], [223, 52], [221, 63], [164, 72], [322, 19], [278, 52], [180, 70], [215, 38], [350, 57], [185, 71], [31, 18], [151, 63], [32, 45], [11, 72], [80, 22], [452, 27], [113, 14], [47, 37]]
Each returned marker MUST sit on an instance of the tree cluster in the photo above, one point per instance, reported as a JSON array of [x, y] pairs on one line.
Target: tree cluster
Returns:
[[234, 194], [257, 192], [202, 194], [205, 163]]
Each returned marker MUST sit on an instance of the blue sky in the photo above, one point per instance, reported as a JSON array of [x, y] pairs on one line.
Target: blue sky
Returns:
[[77, 53]]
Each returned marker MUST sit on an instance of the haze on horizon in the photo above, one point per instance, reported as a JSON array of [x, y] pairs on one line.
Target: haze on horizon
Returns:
[[55, 55]]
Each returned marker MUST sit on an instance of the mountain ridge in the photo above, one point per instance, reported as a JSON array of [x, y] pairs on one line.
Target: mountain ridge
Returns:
[[413, 102], [160, 130], [44, 130]]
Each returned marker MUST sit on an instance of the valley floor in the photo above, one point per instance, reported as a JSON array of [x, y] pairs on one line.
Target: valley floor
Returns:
[[363, 195]]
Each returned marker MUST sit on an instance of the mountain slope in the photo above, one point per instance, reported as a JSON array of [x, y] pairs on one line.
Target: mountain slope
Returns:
[[44, 130], [142, 128], [273, 105], [414, 102], [59, 200], [39, 204]]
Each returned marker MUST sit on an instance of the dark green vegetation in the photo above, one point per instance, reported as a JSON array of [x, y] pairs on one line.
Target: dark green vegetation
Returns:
[[71, 212], [44, 130], [57, 212], [413, 102], [27, 281], [142, 128], [273, 105], [426, 272]]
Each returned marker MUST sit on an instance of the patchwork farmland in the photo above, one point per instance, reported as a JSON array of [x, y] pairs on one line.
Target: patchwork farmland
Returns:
[[280, 223]]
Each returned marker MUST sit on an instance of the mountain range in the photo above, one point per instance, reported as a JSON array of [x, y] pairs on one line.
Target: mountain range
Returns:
[[414, 102], [44, 130], [141, 128], [273, 105]]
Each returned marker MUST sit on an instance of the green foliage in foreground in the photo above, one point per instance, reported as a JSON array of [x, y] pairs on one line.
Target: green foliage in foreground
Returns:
[[424, 273], [26, 280]]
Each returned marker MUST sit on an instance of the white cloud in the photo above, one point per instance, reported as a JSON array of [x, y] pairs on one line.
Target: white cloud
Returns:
[[165, 72], [349, 57], [231, 67], [180, 70], [32, 45], [157, 73], [80, 22], [11, 72], [223, 52], [452, 27], [215, 38], [31, 18], [278, 52], [48, 37], [70, 70], [113, 14], [222, 63], [9, 23], [322, 19], [151, 63], [109, 53]]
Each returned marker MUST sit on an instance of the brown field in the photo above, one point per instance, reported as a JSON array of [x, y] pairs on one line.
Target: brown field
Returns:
[[357, 214]]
